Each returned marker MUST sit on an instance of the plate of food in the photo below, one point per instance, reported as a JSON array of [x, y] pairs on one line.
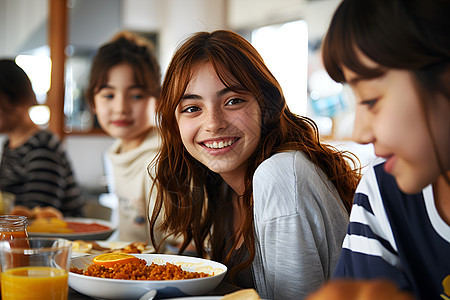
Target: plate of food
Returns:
[[129, 276], [71, 228], [83, 248]]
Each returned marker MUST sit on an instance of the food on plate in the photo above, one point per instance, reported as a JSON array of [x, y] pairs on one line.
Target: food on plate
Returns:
[[56, 225], [114, 247], [137, 269], [247, 294], [110, 259], [135, 247], [82, 246], [37, 212], [197, 267], [49, 225]]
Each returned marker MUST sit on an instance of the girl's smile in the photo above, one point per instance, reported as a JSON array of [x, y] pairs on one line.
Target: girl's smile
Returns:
[[122, 123], [390, 163], [219, 146]]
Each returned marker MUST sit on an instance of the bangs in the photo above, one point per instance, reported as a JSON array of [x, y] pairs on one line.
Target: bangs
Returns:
[[99, 79], [343, 44], [247, 80], [142, 78], [228, 79]]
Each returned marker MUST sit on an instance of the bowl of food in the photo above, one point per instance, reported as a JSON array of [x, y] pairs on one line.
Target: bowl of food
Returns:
[[170, 275]]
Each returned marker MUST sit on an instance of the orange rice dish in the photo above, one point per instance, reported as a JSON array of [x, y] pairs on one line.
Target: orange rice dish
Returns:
[[139, 270]]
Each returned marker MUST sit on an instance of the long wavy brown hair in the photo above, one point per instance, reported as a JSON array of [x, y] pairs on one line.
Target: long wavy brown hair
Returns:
[[194, 201]]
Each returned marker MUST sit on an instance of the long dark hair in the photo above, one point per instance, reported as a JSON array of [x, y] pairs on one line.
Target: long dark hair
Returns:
[[413, 35], [195, 200]]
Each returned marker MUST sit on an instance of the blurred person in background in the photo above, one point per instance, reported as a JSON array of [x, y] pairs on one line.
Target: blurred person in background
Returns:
[[395, 55], [124, 89], [34, 166]]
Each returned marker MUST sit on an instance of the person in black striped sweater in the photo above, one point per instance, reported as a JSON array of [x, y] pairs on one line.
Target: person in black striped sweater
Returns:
[[34, 166]]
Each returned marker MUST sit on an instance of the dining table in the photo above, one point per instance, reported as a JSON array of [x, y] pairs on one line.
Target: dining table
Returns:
[[222, 289]]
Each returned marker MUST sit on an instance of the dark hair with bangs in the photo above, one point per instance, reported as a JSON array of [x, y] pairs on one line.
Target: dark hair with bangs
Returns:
[[15, 86], [196, 202], [412, 35], [399, 34], [132, 49]]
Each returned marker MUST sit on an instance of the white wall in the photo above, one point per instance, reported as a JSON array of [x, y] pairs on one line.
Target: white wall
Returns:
[[174, 20], [318, 16], [86, 154], [18, 20], [258, 13]]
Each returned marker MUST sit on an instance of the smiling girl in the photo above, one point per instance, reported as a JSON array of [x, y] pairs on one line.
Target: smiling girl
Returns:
[[242, 179], [123, 91], [395, 56]]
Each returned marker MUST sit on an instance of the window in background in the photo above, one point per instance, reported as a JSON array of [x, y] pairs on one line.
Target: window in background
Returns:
[[284, 48], [77, 114], [38, 68]]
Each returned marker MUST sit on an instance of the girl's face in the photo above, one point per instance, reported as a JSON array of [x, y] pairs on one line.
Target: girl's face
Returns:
[[219, 127], [389, 115], [124, 110]]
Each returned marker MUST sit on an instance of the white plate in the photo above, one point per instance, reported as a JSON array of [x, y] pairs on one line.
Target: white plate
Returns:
[[105, 288], [95, 235]]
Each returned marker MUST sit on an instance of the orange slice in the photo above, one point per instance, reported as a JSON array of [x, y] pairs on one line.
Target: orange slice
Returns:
[[109, 259]]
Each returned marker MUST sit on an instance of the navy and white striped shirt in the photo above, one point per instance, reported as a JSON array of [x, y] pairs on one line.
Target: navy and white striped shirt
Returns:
[[39, 174], [397, 236]]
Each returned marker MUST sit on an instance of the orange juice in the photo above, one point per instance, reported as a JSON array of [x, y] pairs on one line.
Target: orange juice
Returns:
[[34, 283]]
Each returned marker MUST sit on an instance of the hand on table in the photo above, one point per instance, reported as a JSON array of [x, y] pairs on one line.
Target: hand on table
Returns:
[[360, 290]]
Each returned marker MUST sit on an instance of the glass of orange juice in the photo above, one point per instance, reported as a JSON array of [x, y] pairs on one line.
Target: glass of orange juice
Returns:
[[36, 271]]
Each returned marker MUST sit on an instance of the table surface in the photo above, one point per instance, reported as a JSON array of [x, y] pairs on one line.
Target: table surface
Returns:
[[222, 289]]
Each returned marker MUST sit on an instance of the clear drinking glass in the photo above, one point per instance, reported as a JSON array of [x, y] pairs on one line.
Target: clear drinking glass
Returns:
[[37, 271]]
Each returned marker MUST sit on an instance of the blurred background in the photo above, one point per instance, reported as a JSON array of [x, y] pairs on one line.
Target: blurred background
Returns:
[[287, 33]]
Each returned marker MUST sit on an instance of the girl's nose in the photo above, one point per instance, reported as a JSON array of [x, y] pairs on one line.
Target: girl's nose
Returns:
[[121, 104], [362, 129], [214, 120]]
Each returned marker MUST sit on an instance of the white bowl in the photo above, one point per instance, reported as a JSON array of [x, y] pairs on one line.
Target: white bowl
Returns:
[[105, 288]]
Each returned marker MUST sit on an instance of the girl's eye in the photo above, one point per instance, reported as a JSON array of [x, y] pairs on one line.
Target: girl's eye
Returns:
[[369, 103], [108, 96], [137, 96], [234, 101], [190, 109]]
